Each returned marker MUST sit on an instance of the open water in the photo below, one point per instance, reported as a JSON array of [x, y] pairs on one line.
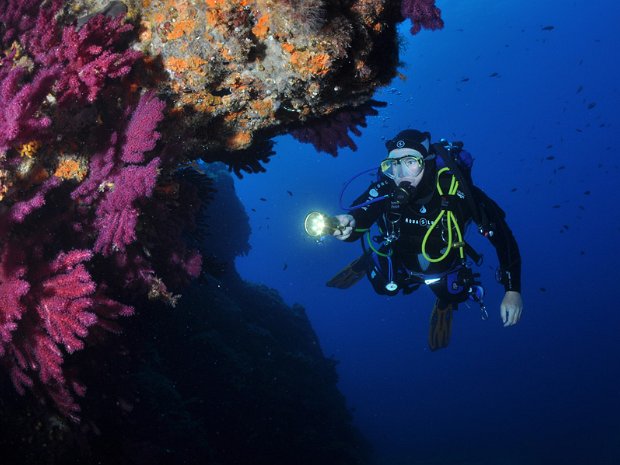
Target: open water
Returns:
[[532, 89]]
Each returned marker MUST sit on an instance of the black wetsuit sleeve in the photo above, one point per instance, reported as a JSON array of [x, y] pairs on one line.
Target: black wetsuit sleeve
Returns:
[[366, 216], [503, 240]]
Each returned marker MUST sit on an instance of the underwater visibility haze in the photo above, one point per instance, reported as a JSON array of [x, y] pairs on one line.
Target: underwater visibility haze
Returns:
[[532, 91], [160, 301]]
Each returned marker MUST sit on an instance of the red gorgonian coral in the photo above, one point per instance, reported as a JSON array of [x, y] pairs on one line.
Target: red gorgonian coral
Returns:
[[54, 295]]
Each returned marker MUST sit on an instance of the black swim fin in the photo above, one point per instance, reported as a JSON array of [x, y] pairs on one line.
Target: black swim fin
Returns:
[[351, 273], [440, 326]]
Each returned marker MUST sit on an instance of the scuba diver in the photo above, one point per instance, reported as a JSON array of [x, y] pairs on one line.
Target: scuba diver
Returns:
[[422, 202]]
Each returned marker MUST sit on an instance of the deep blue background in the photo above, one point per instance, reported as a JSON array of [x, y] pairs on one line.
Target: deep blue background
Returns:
[[547, 390]]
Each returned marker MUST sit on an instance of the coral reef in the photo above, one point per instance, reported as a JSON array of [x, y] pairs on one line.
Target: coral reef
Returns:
[[231, 376], [77, 169], [111, 113], [240, 71]]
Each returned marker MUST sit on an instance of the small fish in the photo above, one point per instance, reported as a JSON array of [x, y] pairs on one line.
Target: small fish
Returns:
[[284, 267], [591, 105], [578, 130], [550, 157], [550, 146], [579, 89], [556, 206], [514, 189], [581, 207], [561, 167], [583, 252], [289, 193], [586, 193], [565, 226], [542, 289], [548, 28], [253, 209], [493, 74], [263, 199], [465, 79]]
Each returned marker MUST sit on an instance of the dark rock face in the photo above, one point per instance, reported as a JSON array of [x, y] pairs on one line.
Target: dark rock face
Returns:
[[230, 376]]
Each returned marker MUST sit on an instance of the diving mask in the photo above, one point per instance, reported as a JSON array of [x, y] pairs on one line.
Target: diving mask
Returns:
[[403, 167]]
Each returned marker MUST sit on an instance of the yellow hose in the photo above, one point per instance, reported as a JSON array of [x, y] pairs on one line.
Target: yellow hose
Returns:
[[451, 222]]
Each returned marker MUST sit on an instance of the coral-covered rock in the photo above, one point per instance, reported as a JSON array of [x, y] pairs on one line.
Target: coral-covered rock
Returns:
[[106, 109], [77, 170], [241, 70], [231, 376]]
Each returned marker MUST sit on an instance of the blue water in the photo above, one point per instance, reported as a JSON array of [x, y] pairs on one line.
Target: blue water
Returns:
[[545, 391]]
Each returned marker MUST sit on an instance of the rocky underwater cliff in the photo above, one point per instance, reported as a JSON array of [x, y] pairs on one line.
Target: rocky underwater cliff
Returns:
[[126, 335], [231, 375]]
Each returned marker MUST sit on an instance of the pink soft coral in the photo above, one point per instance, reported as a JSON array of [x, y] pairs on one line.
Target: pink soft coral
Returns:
[[89, 58], [117, 214], [422, 13], [20, 118], [41, 319]]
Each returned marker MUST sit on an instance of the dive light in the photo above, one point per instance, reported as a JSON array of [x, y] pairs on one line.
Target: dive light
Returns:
[[318, 224]]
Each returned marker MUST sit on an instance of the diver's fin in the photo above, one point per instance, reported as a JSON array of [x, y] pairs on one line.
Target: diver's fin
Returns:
[[440, 327], [351, 273]]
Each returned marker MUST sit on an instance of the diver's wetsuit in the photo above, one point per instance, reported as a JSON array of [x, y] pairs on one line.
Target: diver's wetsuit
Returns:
[[411, 221]]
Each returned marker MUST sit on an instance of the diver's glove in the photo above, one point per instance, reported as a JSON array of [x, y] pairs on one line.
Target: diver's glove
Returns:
[[346, 226]]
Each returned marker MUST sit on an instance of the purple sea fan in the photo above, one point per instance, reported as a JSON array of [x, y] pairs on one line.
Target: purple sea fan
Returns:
[[330, 133], [140, 135], [422, 13], [13, 287], [101, 165], [56, 312], [20, 120], [20, 210], [89, 58], [16, 17], [65, 302], [117, 213], [42, 36]]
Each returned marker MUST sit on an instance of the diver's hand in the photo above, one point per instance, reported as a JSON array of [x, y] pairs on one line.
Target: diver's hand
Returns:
[[346, 226], [511, 308]]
